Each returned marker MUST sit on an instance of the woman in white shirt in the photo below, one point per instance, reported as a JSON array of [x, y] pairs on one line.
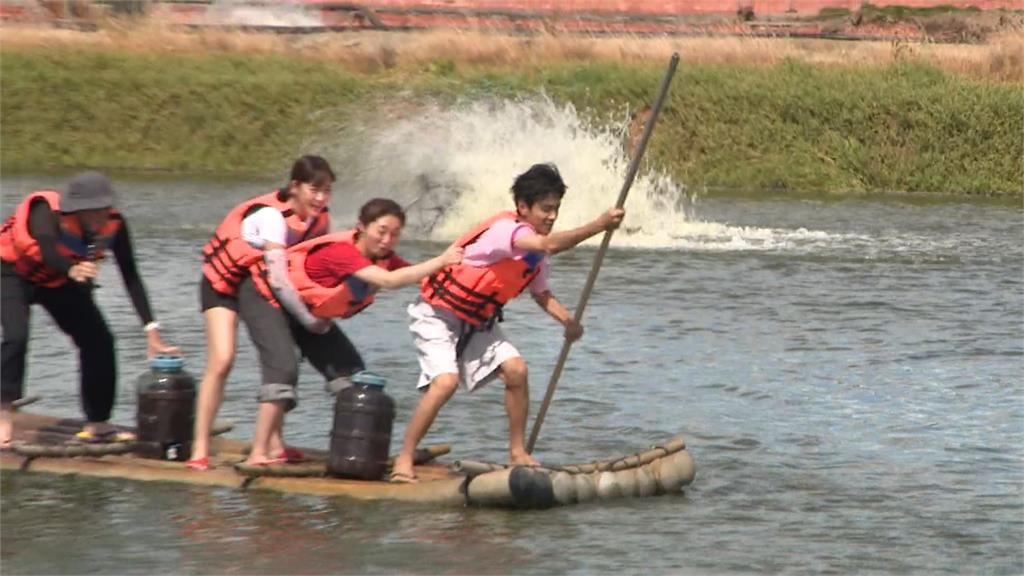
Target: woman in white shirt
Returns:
[[260, 229]]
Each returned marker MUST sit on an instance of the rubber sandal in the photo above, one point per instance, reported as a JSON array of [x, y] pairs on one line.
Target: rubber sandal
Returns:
[[112, 436], [293, 455], [200, 464], [402, 478], [267, 462]]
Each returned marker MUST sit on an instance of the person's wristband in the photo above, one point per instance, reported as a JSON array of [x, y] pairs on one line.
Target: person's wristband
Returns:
[[151, 326]]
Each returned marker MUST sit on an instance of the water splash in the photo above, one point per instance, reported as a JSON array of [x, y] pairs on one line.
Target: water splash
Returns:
[[243, 13], [452, 167]]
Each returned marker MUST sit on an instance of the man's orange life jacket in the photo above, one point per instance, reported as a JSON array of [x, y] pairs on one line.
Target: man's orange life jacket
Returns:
[[476, 294], [228, 258], [18, 247]]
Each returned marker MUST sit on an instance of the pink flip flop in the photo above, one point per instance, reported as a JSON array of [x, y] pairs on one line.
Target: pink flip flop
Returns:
[[199, 463], [292, 455]]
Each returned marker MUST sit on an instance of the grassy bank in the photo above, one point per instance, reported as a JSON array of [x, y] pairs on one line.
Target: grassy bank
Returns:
[[792, 125]]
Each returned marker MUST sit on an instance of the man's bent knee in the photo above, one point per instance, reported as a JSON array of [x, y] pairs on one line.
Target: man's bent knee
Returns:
[[445, 384], [514, 372]]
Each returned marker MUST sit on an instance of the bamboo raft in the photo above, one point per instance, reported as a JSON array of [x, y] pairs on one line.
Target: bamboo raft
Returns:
[[41, 444]]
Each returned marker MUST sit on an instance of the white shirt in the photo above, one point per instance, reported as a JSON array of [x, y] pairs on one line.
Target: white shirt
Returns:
[[267, 225]]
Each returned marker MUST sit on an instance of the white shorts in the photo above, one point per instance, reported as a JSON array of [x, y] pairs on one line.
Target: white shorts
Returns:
[[436, 332]]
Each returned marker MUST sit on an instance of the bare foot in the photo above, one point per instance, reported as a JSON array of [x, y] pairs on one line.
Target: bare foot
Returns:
[[6, 428], [522, 459], [403, 467], [262, 461]]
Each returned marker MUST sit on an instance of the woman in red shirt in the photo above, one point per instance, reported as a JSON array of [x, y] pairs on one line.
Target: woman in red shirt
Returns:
[[337, 276]]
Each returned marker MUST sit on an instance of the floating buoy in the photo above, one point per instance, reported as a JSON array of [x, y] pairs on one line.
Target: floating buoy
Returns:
[[564, 487], [674, 471], [659, 470], [646, 485], [626, 479], [586, 489], [607, 486]]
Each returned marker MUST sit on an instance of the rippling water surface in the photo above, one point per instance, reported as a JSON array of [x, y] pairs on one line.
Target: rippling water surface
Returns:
[[846, 373]]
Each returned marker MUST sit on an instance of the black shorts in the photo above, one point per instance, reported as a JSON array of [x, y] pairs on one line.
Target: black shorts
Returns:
[[210, 298]]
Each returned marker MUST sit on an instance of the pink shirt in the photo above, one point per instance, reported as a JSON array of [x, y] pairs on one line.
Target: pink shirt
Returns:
[[496, 244]]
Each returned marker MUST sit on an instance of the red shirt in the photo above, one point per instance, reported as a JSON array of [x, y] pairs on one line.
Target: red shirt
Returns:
[[333, 264]]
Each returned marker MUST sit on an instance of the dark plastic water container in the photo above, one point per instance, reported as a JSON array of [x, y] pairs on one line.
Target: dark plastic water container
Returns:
[[166, 410], [361, 436]]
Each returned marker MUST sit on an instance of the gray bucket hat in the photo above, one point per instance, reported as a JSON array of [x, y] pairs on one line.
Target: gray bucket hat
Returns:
[[87, 191]]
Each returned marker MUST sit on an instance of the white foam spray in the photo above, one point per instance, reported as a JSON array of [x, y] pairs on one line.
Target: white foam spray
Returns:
[[453, 167], [267, 15]]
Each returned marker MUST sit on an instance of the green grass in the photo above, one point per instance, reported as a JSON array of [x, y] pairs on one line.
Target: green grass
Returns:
[[793, 127]]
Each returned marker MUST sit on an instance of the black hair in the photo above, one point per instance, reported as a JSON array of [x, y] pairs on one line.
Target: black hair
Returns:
[[308, 169], [312, 170], [379, 207], [539, 182]]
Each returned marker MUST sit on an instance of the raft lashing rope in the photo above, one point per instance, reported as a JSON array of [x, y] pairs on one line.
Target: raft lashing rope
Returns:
[[663, 469]]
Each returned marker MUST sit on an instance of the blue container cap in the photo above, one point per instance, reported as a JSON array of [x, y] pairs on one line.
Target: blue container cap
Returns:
[[164, 363], [367, 378]]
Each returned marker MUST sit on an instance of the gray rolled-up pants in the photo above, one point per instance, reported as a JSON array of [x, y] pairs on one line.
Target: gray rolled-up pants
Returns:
[[276, 336]]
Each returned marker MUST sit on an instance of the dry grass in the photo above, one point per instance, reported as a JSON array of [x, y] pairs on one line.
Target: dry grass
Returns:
[[1001, 58]]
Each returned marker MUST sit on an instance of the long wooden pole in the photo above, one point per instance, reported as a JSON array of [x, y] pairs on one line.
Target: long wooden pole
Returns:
[[634, 166]]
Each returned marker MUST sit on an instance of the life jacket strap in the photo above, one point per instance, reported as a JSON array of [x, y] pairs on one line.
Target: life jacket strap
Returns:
[[471, 303], [230, 272]]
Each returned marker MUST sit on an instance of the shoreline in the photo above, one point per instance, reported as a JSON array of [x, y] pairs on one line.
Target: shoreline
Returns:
[[745, 115]]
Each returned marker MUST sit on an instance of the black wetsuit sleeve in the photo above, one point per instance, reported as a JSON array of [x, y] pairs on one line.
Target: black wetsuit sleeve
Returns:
[[122, 248], [44, 227]]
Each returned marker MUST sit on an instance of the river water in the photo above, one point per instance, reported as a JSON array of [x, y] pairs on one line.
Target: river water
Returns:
[[847, 374]]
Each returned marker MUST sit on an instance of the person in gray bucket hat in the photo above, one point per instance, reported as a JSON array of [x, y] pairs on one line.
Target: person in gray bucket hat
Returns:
[[50, 250]]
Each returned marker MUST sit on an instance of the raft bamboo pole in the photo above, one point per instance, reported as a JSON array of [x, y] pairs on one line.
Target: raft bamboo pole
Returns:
[[634, 167], [318, 467], [633, 461], [473, 468], [437, 486]]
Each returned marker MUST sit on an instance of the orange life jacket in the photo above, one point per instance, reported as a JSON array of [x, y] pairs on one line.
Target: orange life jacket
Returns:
[[228, 258], [18, 247], [323, 301], [476, 294]]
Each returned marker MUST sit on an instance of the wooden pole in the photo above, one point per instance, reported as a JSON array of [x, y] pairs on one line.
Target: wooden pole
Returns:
[[634, 166]]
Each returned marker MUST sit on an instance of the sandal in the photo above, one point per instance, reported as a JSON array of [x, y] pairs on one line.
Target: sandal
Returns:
[[292, 455], [200, 464], [267, 462], [111, 436], [403, 478]]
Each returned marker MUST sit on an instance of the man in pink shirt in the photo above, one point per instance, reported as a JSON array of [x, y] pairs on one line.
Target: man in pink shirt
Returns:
[[454, 322]]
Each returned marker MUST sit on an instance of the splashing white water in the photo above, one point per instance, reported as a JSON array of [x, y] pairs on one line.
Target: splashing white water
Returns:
[[270, 15], [453, 167]]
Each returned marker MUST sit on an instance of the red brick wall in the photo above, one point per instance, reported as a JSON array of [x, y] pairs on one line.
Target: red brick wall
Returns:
[[669, 7]]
